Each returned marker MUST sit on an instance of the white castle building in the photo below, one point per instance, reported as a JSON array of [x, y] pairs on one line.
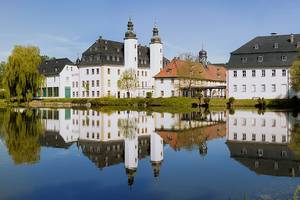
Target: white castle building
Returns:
[[260, 68], [100, 68]]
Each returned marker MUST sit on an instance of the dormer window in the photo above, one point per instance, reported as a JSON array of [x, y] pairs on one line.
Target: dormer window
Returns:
[[276, 45], [256, 46], [244, 59], [118, 50], [284, 58], [107, 57], [260, 58], [105, 48]]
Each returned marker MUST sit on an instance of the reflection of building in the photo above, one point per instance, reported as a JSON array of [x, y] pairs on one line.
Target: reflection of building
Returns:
[[123, 136], [260, 142]]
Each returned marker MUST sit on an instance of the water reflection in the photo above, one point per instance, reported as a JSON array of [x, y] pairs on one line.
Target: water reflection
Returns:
[[264, 142], [110, 138]]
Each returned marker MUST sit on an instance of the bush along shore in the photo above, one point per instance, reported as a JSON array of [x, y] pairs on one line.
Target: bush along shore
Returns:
[[172, 102]]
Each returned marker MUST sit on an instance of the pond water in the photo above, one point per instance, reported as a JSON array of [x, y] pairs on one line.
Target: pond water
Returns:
[[86, 154]]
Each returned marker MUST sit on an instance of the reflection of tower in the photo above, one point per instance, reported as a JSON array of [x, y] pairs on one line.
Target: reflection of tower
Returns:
[[203, 149], [131, 157], [156, 153]]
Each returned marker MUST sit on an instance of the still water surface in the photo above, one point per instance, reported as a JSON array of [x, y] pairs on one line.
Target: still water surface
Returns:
[[85, 154]]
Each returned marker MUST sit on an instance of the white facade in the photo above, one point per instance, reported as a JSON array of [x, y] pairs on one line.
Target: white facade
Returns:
[[271, 127], [268, 83]]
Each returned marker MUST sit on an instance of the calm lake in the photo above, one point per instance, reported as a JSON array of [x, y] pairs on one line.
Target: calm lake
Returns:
[[86, 154]]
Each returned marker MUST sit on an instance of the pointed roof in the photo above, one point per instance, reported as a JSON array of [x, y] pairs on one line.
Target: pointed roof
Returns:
[[53, 67]]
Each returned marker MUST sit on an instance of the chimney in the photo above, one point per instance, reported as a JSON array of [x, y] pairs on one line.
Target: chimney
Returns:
[[292, 38]]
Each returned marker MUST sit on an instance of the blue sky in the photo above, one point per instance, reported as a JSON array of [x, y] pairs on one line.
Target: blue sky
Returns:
[[65, 28]]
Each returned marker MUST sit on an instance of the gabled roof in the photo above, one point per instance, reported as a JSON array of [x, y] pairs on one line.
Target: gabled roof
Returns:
[[54, 66], [272, 48], [195, 70]]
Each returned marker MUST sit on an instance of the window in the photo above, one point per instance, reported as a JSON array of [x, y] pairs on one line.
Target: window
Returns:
[[56, 91], [284, 72], [260, 152], [145, 73], [263, 73], [263, 122], [93, 83], [172, 80], [244, 136], [273, 122], [256, 46], [234, 73], [273, 87], [263, 87], [173, 93], [162, 93], [253, 88], [243, 88], [273, 72], [93, 93], [93, 71], [263, 137], [253, 73], [98, 93], [108, 70], [108, 93], [119, 72], [260, 58], [283, 138], [284, 58], [97, 83], [235, 136], [108, 83], [244, 73], [273, 138], [253, 137], [161, 81], [97, 70], [235, 88], [244, 59], [107, 58], [275, 45], [87, 71]]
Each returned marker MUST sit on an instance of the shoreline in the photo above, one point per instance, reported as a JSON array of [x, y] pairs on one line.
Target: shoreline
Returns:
[[182, 103]]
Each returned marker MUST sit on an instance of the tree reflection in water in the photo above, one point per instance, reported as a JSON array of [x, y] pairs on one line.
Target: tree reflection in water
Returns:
[[21, 131], [295, 140]]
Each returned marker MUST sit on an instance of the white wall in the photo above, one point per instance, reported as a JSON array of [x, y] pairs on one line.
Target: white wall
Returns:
[[280, 81]]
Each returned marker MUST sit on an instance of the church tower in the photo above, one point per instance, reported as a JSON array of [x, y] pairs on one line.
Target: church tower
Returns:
[[156, 152], [130, 47], [156, 53]]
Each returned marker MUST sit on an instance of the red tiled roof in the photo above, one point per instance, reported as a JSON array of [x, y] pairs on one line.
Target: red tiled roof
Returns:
[[186, 69]]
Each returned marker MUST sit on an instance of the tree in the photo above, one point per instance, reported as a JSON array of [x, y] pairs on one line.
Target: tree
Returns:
[[295, 74], [21, 72], [2, 69], [21, 132], [295, 139], [128, 81]]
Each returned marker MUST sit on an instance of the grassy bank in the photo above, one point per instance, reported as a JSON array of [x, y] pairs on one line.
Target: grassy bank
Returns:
[[178, 103]]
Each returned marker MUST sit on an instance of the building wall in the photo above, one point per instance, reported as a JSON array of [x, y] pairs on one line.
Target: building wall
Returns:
[[251, 126], [236, 85]]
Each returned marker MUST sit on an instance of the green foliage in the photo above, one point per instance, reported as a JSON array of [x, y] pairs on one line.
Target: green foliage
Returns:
[[206, 100], [295, 74], [22, 131], [295, 139], [128, 81], [2, 69], [149, 95], [21, 72], [231, 100]]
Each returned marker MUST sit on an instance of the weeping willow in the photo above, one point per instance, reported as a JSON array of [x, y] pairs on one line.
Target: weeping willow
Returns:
[[21, 133], [21, 77]]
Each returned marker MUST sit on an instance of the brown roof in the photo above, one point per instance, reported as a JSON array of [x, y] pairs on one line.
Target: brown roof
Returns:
[[186, 69], [187, 138]]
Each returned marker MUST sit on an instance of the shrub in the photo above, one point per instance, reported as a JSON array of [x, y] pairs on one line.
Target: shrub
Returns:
[[206, 100], [231, 100], [149, 95]]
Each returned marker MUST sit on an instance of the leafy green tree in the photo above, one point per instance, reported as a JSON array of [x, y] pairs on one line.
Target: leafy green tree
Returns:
[[21, 132], [21, 72], [128, 81], [2, 69], [295, 74], [295, 139]]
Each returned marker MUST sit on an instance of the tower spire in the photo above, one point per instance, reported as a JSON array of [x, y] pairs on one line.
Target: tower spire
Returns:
[[130, 34], [155, 37]]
